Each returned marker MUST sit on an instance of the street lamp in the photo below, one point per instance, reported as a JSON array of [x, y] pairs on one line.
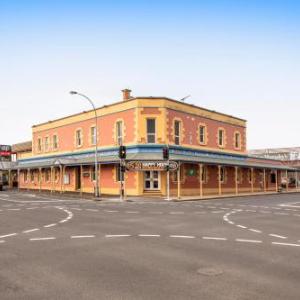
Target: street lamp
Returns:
[[96, 139]]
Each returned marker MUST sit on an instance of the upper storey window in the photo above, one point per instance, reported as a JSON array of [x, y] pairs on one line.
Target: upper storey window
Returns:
[[177, 132], [46, 143], [202, 134], [151, 131], [55, 142], [119, 132], [78, 137], [221, 137], [237, 140], [39, 144], [93, 135]]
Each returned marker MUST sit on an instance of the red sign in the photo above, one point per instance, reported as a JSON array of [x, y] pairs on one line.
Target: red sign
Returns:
[[5, 153]]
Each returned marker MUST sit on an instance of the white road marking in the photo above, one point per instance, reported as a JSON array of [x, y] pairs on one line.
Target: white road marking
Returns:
[[111, 211], [214, 238], [30, 230], [75, 208], [277, 236], [43, 239], [132, 212], [117, 235], [286, 244], [50, 225], [14, 209], [255, 230], [82, 236], [149, 235], [32, 207], [91, 209], [63, 221], [176, 213], [183, 236], [2, 241], [241, 226], [248, 241], [8, 235]]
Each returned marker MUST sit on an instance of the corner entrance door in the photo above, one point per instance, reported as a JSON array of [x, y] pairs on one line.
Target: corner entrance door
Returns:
[[77, 178], [152, 180]]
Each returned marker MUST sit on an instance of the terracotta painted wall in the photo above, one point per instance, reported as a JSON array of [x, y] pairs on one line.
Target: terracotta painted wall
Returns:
[[190, 125], [106, 133]]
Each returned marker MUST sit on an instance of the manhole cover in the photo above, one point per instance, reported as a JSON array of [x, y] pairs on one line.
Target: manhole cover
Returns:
[[209, 271]]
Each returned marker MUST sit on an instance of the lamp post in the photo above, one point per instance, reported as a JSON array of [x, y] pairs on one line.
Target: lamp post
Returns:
[[96, 139]]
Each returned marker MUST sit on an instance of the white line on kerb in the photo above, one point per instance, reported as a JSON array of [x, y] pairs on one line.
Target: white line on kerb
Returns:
[[7, 235], [278, 236], [214, 238], [116, 235], [149, 235], [50, 225], [30, 230], [82, 236], [248, 241], [43, 239], [286, 244], [183, 236]]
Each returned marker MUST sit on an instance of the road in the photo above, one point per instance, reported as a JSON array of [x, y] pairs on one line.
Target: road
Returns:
[[235, 248]]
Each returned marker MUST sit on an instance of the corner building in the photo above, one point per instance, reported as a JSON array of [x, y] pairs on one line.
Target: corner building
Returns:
[[209, 148]]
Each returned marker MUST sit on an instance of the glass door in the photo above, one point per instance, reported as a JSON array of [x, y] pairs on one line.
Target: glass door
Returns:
[[152, 180]]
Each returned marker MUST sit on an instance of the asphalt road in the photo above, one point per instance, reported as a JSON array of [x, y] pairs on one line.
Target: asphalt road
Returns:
[[241, 248]]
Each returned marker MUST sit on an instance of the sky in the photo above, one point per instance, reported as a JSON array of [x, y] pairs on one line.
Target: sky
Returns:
[[237, 57]]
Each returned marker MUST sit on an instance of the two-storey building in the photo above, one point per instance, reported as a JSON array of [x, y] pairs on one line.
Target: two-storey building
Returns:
[[209, 147]]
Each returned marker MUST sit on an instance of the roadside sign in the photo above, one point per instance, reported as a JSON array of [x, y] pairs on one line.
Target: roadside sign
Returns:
[[151, 165]]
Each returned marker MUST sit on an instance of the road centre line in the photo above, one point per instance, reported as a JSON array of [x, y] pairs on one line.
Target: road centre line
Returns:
[[30, 230], [8, 235], [277, 236], [149, 235], [214, 238], [286, 244], [182, 236], [43, 239], [116, 235], [247, 241], [255, 230], [82, 236]]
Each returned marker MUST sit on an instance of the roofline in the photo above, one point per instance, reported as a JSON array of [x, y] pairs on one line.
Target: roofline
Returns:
[[138, 98]]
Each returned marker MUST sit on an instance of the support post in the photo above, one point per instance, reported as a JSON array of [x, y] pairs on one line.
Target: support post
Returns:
[[201, 181], [81, 179], [264, 175], [99, 180], [178, 182], [276, 179], [296, 180], [252, 180], [236, 180], [9, 179], [287, 180], [51, 179], [18, 176], [219, 181], [61, 178], [40, 179]]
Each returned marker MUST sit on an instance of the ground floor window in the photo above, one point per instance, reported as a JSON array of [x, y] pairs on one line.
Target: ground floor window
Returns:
[[273, 178]]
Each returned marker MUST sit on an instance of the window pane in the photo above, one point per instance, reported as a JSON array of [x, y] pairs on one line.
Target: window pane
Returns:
[[150, 125]]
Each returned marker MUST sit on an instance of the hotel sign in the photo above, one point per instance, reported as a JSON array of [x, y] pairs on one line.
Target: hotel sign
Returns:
[[151, 165]]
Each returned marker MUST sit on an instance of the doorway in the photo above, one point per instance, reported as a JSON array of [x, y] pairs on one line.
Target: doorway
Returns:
[[152, 180]]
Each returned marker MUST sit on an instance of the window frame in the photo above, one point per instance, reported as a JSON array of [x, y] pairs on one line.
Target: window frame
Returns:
[[204, 127], [93, 135], [152, 134], [119, 132], [55, 141], [46, 143], [237, 141], [177, 137], [78, 137], [221, 145], [39, 144]]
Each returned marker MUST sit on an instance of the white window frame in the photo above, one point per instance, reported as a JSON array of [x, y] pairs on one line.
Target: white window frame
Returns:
[[55, 142], [78, 138], [202, 142], [93, 133], [151, 134], [46, 144], [223, 137], [177, 137], [119, 132]]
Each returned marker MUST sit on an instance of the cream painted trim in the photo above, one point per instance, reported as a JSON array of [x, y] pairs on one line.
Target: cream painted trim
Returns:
[[234, 140], [223, 146], [81, 137], [205, 134]]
